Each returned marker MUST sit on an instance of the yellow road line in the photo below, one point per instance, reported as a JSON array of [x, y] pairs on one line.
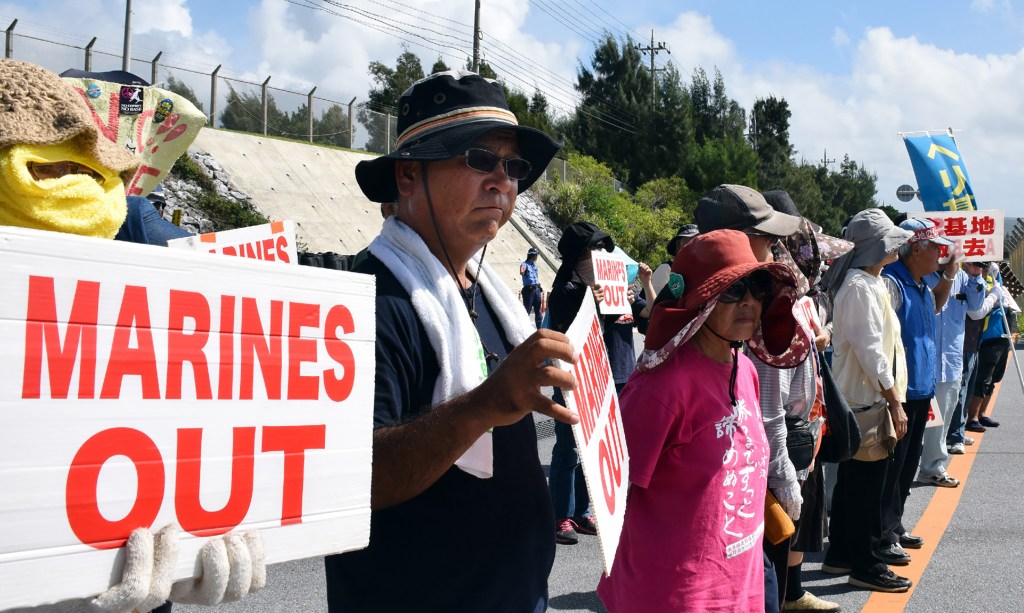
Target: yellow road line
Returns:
[[931, 526]]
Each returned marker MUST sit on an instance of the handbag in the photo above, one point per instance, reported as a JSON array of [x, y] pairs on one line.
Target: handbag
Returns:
[[877, 433], [842, 438], [799, 442], [777, 524]]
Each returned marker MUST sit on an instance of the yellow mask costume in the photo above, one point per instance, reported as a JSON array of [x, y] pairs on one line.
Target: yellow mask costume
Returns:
[[74, 203], [45, 121]]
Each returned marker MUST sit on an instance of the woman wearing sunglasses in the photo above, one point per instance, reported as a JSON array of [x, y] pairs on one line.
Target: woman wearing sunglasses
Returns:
[[698, 455]]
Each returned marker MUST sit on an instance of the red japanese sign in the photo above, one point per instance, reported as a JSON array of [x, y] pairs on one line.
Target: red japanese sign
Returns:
[[978, 234]]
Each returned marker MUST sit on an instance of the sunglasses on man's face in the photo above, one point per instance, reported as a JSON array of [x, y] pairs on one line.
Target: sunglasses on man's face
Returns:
[[759, 283], [485, 161]]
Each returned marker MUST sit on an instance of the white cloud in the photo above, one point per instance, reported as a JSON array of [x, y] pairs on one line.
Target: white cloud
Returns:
[[840, 38]]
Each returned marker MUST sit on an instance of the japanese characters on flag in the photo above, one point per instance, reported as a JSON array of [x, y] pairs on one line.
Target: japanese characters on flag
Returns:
[[143, 387], [978, 234], [610, 273], [271, 242], [600, 439]]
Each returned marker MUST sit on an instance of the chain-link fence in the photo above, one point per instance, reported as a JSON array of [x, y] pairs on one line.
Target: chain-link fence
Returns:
[[232, 102]]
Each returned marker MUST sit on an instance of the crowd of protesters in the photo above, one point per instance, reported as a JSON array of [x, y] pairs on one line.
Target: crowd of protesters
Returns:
[[723, 411]]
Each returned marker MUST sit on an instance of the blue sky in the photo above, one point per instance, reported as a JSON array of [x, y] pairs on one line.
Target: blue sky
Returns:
[[854, 73]]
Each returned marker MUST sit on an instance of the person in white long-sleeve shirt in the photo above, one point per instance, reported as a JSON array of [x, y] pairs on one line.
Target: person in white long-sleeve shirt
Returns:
[[869, 365]]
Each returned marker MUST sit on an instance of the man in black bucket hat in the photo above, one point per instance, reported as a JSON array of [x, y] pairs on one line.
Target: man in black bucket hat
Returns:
[[461, 512]]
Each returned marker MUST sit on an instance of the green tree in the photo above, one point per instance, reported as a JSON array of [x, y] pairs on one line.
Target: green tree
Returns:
[[332, 127], [770, 136], [616, 102], [182, 89], [439, 66], [391, 83], [244, 112]]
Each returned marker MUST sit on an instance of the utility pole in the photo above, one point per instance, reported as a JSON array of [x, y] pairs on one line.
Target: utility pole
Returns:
[[476, 38], [126, 55], [653, 50], [824, 159]]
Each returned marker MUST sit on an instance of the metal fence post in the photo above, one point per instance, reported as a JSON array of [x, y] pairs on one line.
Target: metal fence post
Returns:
[[88, 54], [351, 133], [10, 39], [265, 105], [309, 107], [387, 141], [213, 96], [154, 64]]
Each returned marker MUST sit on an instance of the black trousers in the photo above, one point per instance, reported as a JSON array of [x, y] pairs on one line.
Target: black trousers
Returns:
[[902, 470], [992, 357], [855, 526]]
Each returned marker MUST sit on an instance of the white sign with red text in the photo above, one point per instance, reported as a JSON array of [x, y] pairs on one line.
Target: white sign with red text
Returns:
[[600, 439], [141, 387], [271, 242], [610, 273], [978, 234]]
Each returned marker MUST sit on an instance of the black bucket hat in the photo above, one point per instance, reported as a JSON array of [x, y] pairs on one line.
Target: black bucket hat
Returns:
[[441, 116]]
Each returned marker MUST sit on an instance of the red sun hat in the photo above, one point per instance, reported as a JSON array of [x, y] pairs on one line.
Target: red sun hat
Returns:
[[708, 265]]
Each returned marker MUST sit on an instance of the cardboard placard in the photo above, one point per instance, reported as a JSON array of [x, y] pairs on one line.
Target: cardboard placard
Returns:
[[144, 387], [610, 273], [600, 438], [271, 242], [978, 234], [155, 124]]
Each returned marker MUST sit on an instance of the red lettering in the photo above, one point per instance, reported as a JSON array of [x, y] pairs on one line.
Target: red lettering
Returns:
[[282, 250], [247, 251], [338, 389], [293, 441], [226, 379], [133, 189], [229, 251], [42, 332], [267, 350], [191, 514], [302, 350], [268, 249], [126, 360], [81, 503], [610, 456], [188, 346]]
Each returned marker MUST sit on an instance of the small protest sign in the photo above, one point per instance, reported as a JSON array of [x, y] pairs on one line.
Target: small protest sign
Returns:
[[271, 242], [978, 234], [610, 273], [600, 438]]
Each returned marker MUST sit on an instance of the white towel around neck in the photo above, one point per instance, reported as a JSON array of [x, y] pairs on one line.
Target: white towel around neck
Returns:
[[442, 311]]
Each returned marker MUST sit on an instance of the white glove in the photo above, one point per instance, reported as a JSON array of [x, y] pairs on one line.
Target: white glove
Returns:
[[146, 578], [233, 565], [993, 269], [790, 499]]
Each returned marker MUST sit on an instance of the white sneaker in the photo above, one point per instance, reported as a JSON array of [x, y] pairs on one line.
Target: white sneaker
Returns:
[[957, 449]]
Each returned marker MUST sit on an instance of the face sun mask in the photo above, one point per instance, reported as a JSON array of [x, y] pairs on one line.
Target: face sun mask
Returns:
[[585, 270], [75, 203]]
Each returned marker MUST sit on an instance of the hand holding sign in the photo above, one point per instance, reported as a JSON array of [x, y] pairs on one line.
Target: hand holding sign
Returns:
[[514, 389]]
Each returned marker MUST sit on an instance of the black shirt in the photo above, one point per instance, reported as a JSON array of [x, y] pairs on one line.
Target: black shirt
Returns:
[[464, 544]]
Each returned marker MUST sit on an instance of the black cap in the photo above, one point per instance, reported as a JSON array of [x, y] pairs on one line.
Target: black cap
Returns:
[[736, 207], [688, 231], [441, 116]]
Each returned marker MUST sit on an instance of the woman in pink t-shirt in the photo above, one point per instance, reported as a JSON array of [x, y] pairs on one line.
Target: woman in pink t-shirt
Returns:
[[698, 455]]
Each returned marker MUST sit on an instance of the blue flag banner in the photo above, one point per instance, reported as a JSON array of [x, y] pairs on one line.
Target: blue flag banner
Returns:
[[941, 175]]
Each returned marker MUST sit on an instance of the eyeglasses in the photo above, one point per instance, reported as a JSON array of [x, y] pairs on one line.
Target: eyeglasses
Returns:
[[759, 283], [598, 245], [485, 161], [56, 170]]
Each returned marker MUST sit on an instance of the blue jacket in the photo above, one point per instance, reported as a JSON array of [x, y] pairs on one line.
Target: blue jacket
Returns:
[[992, 326], [916, 312], [949, 324]]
